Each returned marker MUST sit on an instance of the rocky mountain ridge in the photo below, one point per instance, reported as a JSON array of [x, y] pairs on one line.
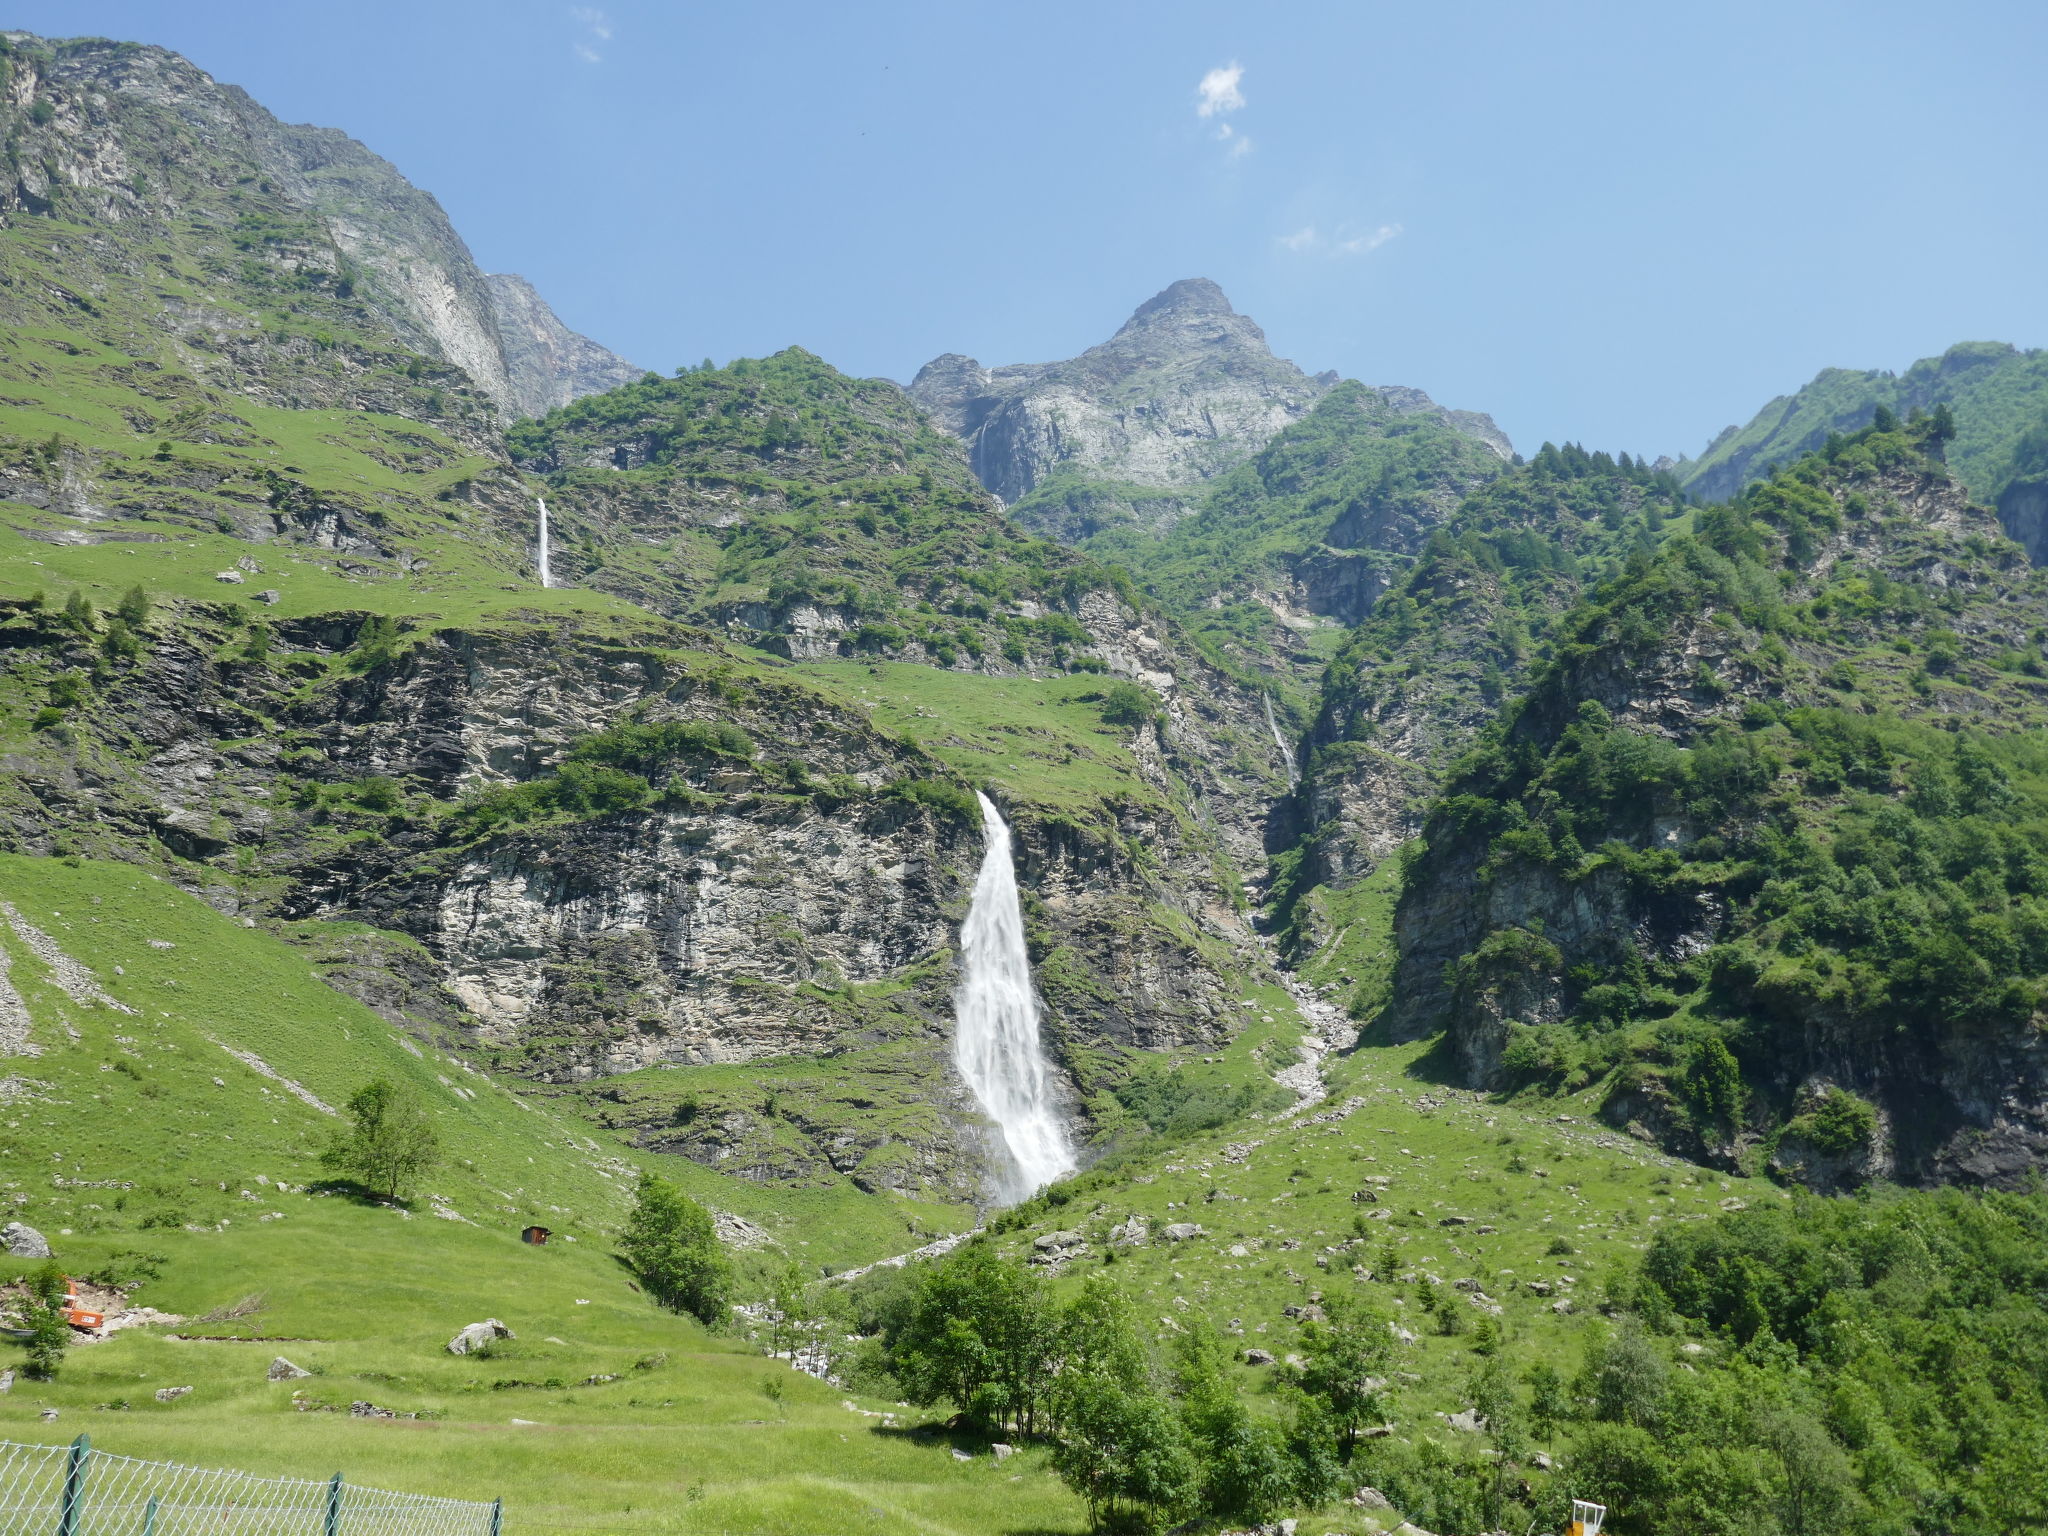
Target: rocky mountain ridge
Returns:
[[1185, 390], [118, 132]]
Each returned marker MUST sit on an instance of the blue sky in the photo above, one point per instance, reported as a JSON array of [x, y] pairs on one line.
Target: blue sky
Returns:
[[1626, 225]]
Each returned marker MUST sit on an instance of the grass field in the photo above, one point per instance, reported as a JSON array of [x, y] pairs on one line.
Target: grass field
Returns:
[[144, 1134]]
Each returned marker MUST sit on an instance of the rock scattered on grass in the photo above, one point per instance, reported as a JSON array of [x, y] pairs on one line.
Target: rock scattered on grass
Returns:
[[479, 1336]]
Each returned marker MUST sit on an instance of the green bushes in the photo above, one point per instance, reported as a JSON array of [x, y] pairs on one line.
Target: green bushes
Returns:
[[947, 799], [1179, 1101], [1841, 1123], [1127, 704], [1873, 1364], [642, 748], [671, 1243], [1147, 1441]]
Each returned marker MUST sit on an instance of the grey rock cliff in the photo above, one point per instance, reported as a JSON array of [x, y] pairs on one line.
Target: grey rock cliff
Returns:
[[1186, 389], [548, 364]]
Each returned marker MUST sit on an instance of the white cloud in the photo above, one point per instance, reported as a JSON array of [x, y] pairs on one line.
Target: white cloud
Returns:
[[1239, 148], [1218, 92], [597, 25], [1309, 239], [1358, 245]]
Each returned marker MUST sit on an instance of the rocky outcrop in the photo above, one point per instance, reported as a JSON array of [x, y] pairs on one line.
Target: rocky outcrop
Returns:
[[546, 363], [1186, 389], [2023, 513]]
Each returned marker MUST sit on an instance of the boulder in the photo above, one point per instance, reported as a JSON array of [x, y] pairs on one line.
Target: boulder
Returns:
[[1130, 1234], [962, 1456], [24, 1241], [1563, 1307], [7, 1380], [479, 1336], [172, 1394], [1258, 1357], [1371, 1498], [1003, 1452], [1182, 1231], [1047, 1242], [282, 1369]]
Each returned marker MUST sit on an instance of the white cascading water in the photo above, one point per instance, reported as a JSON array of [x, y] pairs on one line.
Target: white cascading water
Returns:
[[1286, 752], [995, 1043], [546, 577]]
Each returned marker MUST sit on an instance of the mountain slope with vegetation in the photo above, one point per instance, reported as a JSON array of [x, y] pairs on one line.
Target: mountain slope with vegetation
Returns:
[[1995, 391], [1758, 834]]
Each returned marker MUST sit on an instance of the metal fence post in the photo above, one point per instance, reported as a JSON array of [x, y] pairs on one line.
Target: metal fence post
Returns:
[[334, 1505], [72, 1501], [149, 1517], [497, 1517]]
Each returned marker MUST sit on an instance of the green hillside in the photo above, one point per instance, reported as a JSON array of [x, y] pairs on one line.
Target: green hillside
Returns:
[[1997, 392]]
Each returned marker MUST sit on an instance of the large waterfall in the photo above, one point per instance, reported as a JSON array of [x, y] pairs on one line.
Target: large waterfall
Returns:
[[996, 1042], [546, 577]]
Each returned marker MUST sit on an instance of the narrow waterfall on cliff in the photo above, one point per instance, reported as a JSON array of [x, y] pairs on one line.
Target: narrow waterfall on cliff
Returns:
[[995, 1042], [546, 577], [1280, 741]]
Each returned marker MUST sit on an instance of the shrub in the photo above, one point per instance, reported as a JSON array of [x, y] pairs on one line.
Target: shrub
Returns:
[[672, 1245], [948, 799], [1127, 704], [389, 1145]]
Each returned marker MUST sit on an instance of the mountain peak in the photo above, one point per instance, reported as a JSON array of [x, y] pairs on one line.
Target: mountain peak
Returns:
[[1189, 298]]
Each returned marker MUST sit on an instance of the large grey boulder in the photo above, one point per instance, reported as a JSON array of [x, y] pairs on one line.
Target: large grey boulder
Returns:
[[282, 1369], [479, 1336], [24, 1241], [1182, 1231]]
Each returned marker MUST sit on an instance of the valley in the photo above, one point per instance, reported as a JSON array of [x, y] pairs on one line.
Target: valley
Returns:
[[1147, 941]]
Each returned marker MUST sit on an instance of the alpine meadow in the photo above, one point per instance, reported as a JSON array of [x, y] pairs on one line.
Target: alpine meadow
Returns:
[[1156, 941]]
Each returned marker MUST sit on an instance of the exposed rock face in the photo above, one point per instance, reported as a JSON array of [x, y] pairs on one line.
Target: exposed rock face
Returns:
[[2023, 513], [1131, 430], [126, 134], [546, 363], [1186, 389]]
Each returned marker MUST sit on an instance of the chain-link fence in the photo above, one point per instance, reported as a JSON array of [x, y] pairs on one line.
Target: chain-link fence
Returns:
[[74, 1490]]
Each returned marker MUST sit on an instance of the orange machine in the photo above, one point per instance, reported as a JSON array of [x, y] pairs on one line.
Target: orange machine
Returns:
[[1586, 1518], [74, 1314]]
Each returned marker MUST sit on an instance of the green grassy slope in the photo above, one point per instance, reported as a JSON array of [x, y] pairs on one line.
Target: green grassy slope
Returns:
[[141, 1135], [1354, 484]]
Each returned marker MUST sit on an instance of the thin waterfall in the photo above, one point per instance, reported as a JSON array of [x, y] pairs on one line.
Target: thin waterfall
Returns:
[[995, 1043], [546, 576], [1286, 752]]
